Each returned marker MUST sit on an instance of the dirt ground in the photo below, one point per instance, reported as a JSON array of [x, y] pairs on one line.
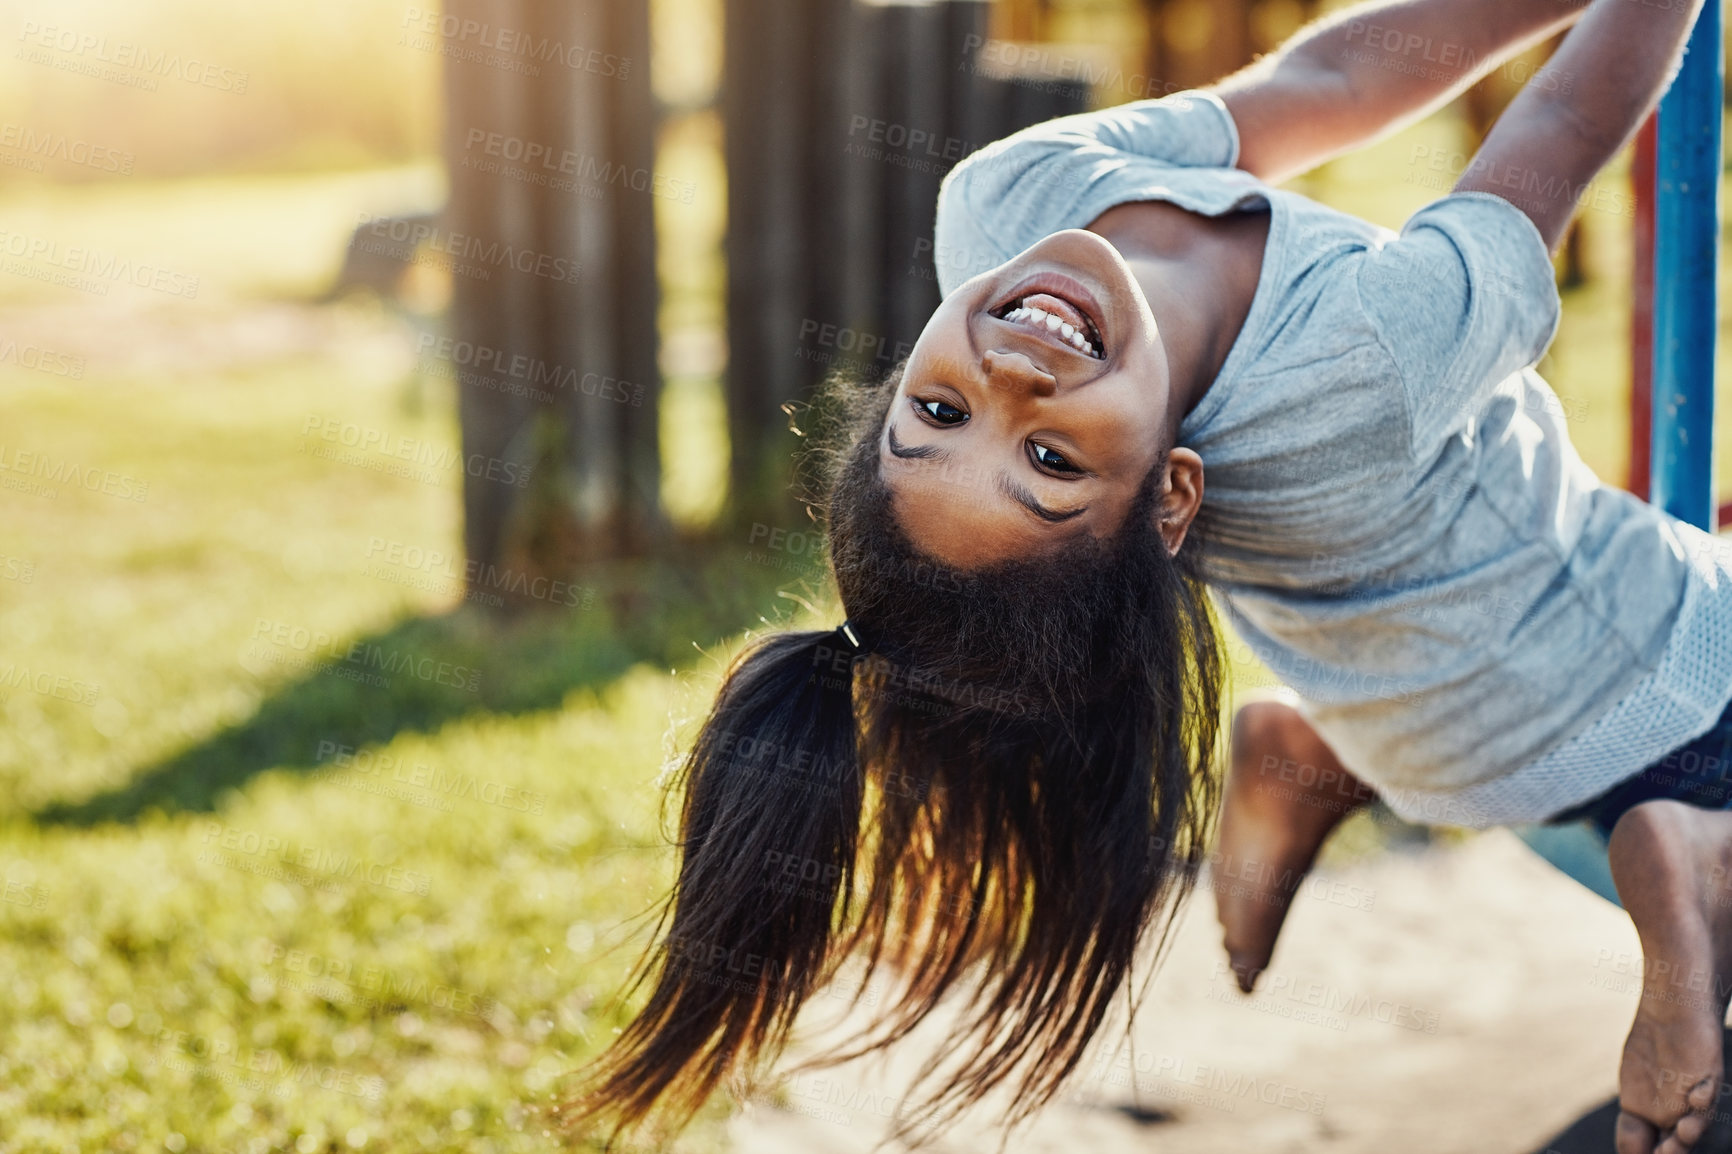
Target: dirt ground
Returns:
[[1425, 1001]]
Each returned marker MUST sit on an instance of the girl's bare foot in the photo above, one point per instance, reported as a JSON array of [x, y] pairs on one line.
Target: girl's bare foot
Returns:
[[1670, 862], [1285, 793]]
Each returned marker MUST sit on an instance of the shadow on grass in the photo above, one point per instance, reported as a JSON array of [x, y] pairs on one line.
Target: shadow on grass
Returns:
[[427, 671]]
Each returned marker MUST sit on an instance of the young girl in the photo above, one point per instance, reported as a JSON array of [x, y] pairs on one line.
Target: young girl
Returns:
[[995, 775]]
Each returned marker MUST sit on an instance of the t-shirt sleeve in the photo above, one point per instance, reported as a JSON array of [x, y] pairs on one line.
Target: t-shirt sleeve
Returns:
[[1465, 296], [1188, 129], [1003, 198]]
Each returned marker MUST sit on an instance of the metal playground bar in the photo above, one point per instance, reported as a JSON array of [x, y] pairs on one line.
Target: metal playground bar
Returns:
[[1676, 174]]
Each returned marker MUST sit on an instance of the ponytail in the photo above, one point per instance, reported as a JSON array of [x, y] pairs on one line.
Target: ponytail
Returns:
[[768, 832]]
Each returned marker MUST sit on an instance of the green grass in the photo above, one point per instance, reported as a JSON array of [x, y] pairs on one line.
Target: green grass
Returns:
[[205, 816]]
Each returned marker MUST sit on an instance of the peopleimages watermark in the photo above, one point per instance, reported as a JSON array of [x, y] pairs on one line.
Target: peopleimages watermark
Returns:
[[962, 261], [1441, 596], [498, 46], [775, 764], [31, 148], [534, 162], [301, 649], [366, 447], [22, 892], [1320, 677], [470, 363], [1319, 1003], [86, 269], [286, 859], [46, 683], [771, 762], [261, 1070], [1410, 53], [714, 963], [786, 548], [344, 982], [1261, 881], [809, 879], [835, 341], [1306, 784], [463, 254], [436, 570], [121, 61], [1440, 169], [17, 569], [1049, 67], [38, 359], [418, 782], [904, 146], [830, 1099], [1182, 1079], [926, 689], [1657, 979], [37, 474]]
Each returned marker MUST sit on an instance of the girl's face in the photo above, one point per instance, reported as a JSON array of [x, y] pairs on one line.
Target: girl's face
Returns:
[[1032, 407]]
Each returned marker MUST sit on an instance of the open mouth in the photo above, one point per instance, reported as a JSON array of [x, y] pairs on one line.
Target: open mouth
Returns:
[[1042, 309]]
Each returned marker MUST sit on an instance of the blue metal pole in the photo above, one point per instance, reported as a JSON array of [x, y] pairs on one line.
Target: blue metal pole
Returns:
[[1686, 266]]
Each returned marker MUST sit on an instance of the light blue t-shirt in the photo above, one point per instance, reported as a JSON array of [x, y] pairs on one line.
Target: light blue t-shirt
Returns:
[[1397, 522]]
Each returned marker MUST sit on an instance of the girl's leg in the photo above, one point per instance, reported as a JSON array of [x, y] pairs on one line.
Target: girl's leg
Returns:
[[1667, 834], [1285, 793], [1669, 860], [1672, 861]]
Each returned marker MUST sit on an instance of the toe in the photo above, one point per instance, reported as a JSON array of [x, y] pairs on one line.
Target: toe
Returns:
[[1689, 1131], [1673, 1144], [1246, 967], [1634, 1135]]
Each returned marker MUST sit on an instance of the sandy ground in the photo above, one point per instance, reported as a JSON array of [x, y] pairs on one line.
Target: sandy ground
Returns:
[[1425, 1001]]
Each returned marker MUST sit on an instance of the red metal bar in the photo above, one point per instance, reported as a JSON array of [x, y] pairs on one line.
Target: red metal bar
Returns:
[[1642, 315]]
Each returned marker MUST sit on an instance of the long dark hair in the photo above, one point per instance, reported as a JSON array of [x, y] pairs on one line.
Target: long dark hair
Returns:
[[1002, 792]]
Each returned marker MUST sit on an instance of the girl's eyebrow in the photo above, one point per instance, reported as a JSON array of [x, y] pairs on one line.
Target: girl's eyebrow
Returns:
[[1013, 489], [1020, 493], [914, 452]]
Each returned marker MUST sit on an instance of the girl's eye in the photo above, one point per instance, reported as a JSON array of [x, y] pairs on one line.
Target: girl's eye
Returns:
[[1047, 459], [942, 411]]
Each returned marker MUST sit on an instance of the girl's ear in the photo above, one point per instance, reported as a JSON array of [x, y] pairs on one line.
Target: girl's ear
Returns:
[[1181, 496]]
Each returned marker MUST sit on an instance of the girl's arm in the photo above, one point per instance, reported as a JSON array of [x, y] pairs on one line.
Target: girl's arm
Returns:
[[1553, 138], [1358, 74]]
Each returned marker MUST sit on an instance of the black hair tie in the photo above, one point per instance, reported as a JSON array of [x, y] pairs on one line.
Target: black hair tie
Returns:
[[847, 638]]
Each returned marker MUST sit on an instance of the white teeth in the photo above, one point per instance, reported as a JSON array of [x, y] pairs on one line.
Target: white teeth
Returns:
[[1030, 315]]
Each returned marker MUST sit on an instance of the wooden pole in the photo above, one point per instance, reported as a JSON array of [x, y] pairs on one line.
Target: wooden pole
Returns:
[[550, 145]]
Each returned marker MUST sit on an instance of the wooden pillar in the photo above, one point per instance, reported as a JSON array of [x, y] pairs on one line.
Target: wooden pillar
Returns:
[[550, 145]]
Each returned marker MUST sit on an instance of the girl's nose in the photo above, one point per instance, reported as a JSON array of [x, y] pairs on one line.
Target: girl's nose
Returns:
[[1015, 371]]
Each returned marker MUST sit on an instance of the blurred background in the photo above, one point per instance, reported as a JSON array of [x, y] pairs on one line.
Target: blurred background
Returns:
[[395, 445]]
